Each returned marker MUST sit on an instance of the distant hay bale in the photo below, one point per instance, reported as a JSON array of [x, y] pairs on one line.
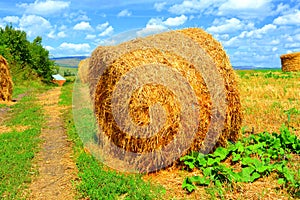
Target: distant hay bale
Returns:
[[83, 69], [5, 81], [110, 65], [290, 62]]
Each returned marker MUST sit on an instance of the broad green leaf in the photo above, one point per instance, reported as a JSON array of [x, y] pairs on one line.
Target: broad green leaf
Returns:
[[254, 176], [236, 157], [221, 153], [200, 180], [188, 185], [281, 181]]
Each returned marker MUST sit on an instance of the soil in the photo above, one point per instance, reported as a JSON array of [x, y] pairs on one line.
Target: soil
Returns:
[[56, 168]]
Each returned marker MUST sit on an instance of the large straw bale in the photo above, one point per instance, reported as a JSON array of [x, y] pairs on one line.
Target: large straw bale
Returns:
[[83, 69], [290, 62], [5, 81], [108, 65]]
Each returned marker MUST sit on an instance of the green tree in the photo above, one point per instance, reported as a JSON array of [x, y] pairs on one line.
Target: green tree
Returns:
[[40, 59], [25, 57]]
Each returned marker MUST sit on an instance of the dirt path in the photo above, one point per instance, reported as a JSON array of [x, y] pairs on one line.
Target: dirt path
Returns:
[[56, 167]]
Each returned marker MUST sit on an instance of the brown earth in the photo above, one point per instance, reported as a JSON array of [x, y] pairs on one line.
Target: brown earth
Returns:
[[56, 168]]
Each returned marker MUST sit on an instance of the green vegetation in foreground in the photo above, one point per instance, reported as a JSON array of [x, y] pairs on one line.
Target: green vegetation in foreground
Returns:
[[258, 155], [96, 181], [17, 149]]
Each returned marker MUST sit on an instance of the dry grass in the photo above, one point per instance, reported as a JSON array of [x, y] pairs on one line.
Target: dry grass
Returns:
[[266, 100]]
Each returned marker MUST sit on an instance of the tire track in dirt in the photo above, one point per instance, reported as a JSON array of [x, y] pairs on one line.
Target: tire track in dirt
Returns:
[[56, 167]]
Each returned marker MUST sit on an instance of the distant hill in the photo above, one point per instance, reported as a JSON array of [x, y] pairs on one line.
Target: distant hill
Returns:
[[69, 61], [253, 68]]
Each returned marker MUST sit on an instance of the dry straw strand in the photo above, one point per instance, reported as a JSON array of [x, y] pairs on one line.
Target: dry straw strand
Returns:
[[6, 84], [290, 62], [109, 64]]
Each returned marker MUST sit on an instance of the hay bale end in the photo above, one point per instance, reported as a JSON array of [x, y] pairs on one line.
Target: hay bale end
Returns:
[[290, 62], [6, 84]]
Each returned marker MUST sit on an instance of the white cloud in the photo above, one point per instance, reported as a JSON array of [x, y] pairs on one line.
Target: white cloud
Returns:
[[157, 25], [45, 7], [75, 47], [90, 37], [176, 21], [258, 33], [194, 6], [11, 19], [108, 31], [124, 13], [228, 26], [257, 9], [49, 48], [61, 34], [103, 26], [154, 25], [34, 25], [288, 19], [160, 6], [51, 34], [83, 26]]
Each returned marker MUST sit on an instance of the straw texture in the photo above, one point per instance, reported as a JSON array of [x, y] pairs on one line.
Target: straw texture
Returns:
[[168, 57], [6, 84], [290, 62]]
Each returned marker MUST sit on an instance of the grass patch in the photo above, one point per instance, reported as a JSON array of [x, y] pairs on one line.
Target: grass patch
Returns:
[[96, 180], [17, 149]]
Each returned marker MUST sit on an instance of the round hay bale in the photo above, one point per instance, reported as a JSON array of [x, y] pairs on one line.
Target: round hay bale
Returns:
[[161, 70], [290, 62], [83, 69], [6, 83]]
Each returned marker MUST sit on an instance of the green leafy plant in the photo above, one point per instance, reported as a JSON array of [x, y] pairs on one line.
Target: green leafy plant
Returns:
[[258, 155]]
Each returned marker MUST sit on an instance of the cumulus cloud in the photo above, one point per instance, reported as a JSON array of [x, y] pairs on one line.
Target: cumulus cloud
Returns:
[[288, 19], [34, 25], [61, 34], [257, 9], [194, 6], [108, 31], [176, 21], [103, 26], [83, 26], [156, 25], [11, 19], [47, 7], [160, 6], [124, 13], [84, 47], [258, 33], [49, 48], [249, 36], [90, 37], [228, 26]]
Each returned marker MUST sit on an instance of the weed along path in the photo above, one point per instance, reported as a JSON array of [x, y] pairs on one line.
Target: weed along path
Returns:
[[56, 169]]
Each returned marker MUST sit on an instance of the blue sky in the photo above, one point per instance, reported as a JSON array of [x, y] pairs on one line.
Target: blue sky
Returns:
[[253, 32]]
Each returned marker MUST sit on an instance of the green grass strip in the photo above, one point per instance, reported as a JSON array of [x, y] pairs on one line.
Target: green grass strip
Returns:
[[17, 149], [95, 181]]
